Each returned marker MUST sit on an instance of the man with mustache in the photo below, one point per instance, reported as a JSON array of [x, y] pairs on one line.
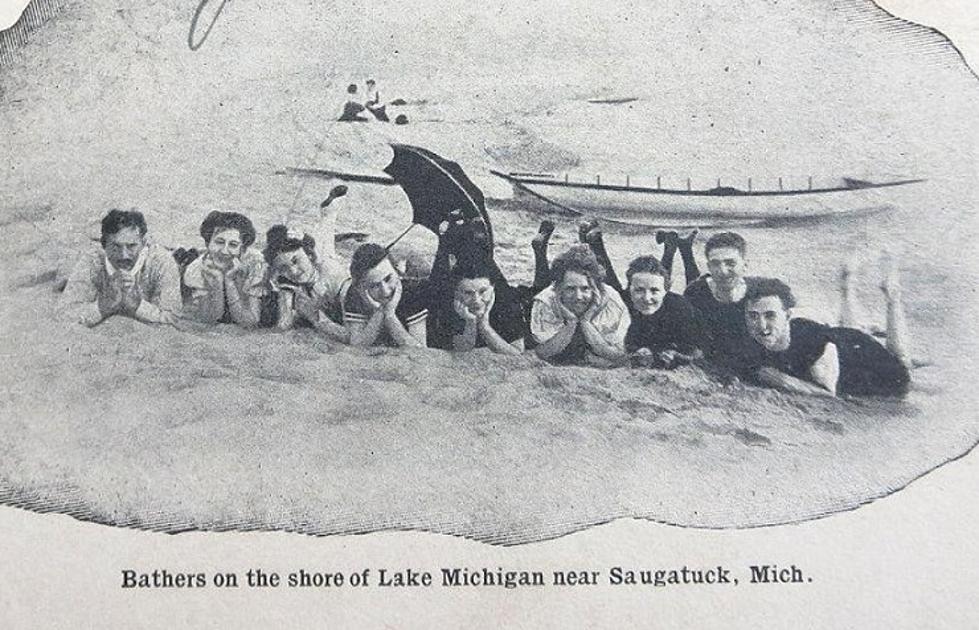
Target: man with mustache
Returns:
[[128, 276]]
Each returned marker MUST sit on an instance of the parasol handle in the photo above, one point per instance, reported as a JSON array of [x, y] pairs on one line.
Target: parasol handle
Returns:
[[400, 236]]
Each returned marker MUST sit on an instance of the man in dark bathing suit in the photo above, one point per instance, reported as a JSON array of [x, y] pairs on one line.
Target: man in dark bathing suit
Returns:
[[719, 296], [802, 356]]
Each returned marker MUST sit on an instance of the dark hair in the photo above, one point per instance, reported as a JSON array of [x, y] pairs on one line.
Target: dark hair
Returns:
[[218, 220], [401, 119], [473, 266], [578, 258], [278, 240], [365, 258], [352, 88], [648, 264], [764, 287], [726, 239], [117, 220]]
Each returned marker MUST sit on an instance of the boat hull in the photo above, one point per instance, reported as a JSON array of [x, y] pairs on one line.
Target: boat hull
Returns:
[[652, 206]]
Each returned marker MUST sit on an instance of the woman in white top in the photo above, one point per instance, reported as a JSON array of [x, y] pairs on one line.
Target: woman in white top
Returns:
[[225, 284]]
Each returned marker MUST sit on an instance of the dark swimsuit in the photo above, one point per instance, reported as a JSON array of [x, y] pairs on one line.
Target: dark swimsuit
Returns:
[[866, 367]]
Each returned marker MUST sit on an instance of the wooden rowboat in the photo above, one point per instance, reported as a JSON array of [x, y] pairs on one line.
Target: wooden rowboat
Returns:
[[627, 202]]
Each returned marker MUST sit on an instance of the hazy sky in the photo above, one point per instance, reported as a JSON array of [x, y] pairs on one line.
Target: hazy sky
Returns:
[[958, 19]]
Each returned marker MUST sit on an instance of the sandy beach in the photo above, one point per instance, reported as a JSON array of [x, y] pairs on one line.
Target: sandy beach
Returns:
[[222, 429]]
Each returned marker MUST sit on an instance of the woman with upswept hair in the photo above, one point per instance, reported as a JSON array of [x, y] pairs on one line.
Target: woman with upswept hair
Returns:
[[225, 283], [306, 278]]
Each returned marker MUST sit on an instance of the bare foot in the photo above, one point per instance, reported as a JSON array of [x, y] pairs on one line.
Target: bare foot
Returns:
[[848, 273], [891, 282]]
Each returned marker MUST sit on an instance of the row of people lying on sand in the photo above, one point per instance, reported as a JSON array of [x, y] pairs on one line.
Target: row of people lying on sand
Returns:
[[576, 312]]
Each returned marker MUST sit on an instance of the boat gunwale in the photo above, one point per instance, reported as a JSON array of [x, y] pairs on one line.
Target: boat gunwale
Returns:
[[734, 192]]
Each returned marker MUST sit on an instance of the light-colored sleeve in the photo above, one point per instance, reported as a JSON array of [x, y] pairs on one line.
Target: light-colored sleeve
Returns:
[[195, 306], [544, 320], [613, 322], [254, 282], [79, 302], [166, 299]]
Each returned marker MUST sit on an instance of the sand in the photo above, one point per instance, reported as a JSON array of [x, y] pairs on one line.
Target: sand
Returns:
[[223, 429]]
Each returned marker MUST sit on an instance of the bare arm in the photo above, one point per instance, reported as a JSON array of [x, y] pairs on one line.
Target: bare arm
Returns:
[[414, 335], [826, 370], [332, 329], [786, 383], [418, 334], [364, 334], [495, 342], [287, 314]]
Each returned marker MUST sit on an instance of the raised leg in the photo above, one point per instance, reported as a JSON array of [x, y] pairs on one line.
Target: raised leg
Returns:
[[542, 269], [898, 338], [690, 269], [670, 241], [597, 244], [326, 227], [850, 309]]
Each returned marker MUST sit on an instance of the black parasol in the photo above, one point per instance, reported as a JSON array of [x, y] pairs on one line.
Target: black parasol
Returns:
[[436, 187]]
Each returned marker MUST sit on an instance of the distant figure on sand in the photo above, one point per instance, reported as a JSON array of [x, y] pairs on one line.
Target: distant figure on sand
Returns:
[[577, 319], [373, 102], [379, 309], [225, 284], [373, 96], [353, 109], [306, 277], [802, 356], [128, 276]]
